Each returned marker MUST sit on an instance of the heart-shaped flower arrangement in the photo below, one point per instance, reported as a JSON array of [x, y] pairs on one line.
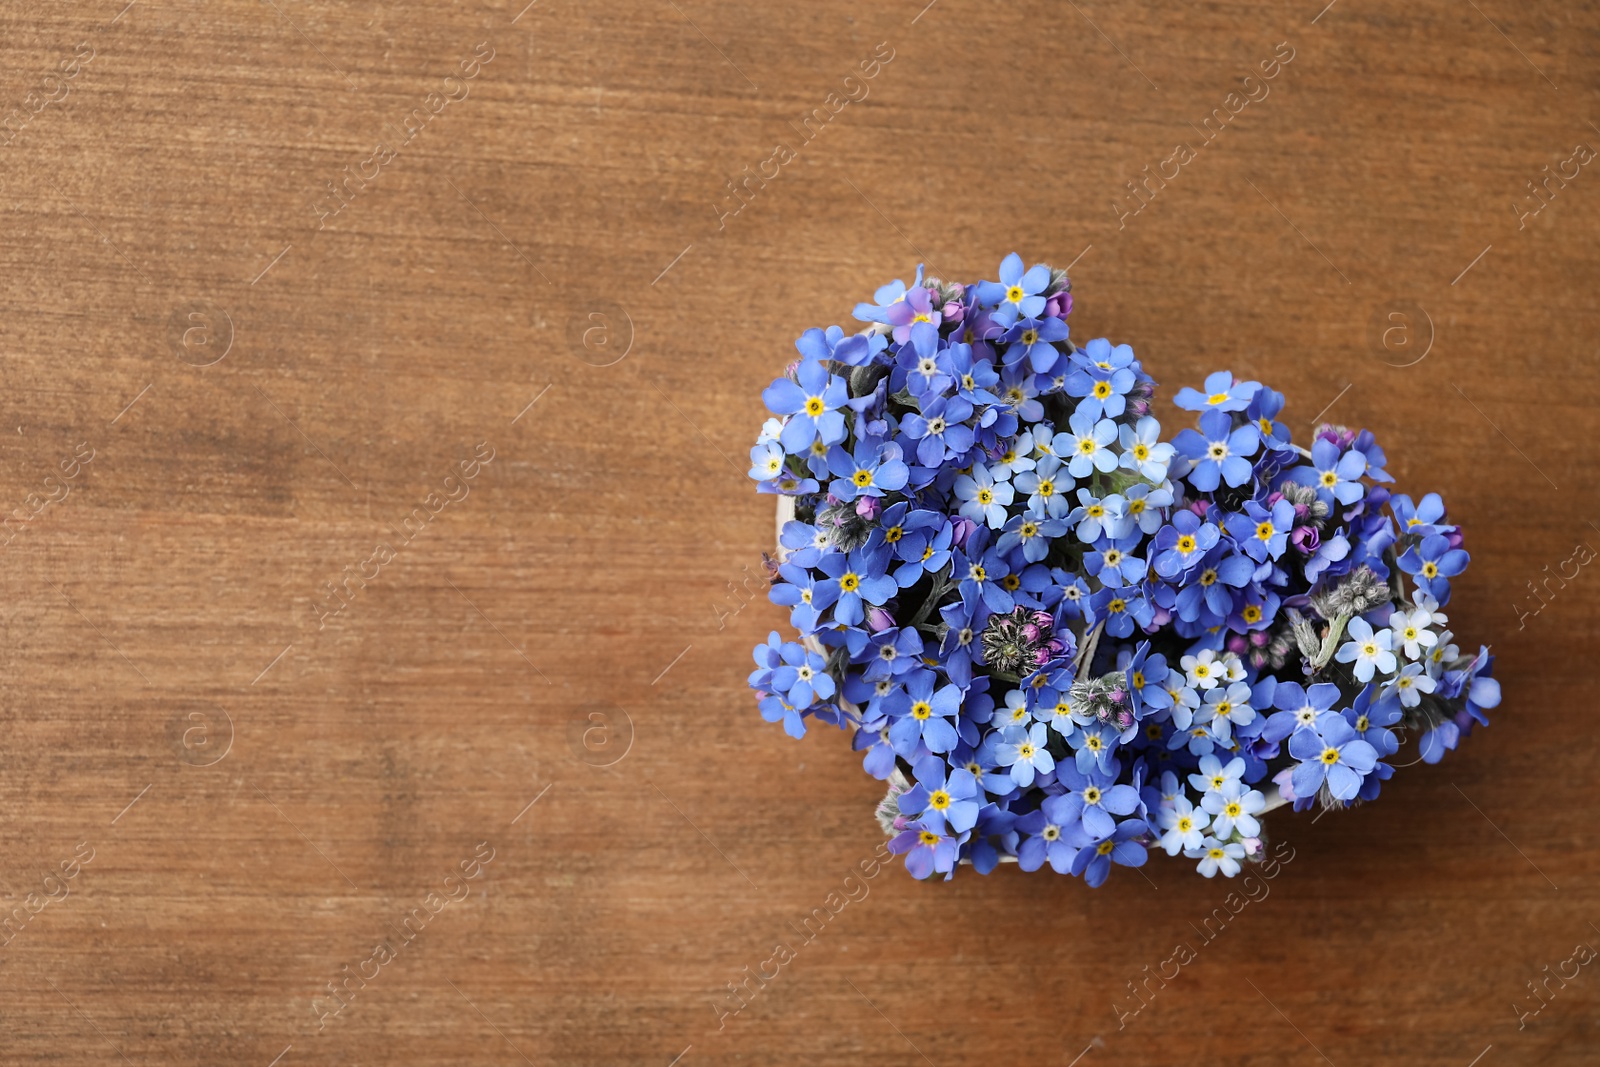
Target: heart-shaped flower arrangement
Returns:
[[1064, 640]]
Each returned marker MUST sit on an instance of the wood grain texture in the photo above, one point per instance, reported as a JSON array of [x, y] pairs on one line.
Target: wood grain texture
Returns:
[[268, 791]]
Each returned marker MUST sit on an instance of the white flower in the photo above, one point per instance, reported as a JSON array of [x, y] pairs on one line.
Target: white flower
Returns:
[[1369, 651], [1214, 855], [1424, 600], [1410, 684], [1203, 670], [1411, 631], [1214, 774], [1234, 807], [1182, 824]]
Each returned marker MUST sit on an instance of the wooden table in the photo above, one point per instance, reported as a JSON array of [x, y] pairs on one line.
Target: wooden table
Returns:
[[381, 567]]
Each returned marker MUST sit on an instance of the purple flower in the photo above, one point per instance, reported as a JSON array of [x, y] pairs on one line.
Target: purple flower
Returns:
[[1022, 748], [1262, 532], [926, 850], [833, 344], [1335, 476], [804, 595], [1033, 340], [1331, 753], [894, 651], [1421, 519], [940, 430], [873, 469], [812, 403], [979, 573], [942, 796], [855, 579], [1183, 544], [885, 298], [922, 714], [1300, 708], [1047, 831], [1221, 393], [1432, 564], [1017, 292], [801, 676], [1094, 860], [1218, 451]]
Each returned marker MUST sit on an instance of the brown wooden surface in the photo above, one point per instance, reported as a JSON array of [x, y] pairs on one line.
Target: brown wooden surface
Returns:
[[592, 566]]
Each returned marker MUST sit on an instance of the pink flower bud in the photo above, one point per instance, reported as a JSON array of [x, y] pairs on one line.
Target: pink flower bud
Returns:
[[961, 529], [879, 620], [1237, 645], [1305, 539], [1259, 638], [869, 507], [954, 311]]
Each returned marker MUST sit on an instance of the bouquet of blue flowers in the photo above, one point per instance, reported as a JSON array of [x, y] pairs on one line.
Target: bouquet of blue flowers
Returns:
[[1064, 640]]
